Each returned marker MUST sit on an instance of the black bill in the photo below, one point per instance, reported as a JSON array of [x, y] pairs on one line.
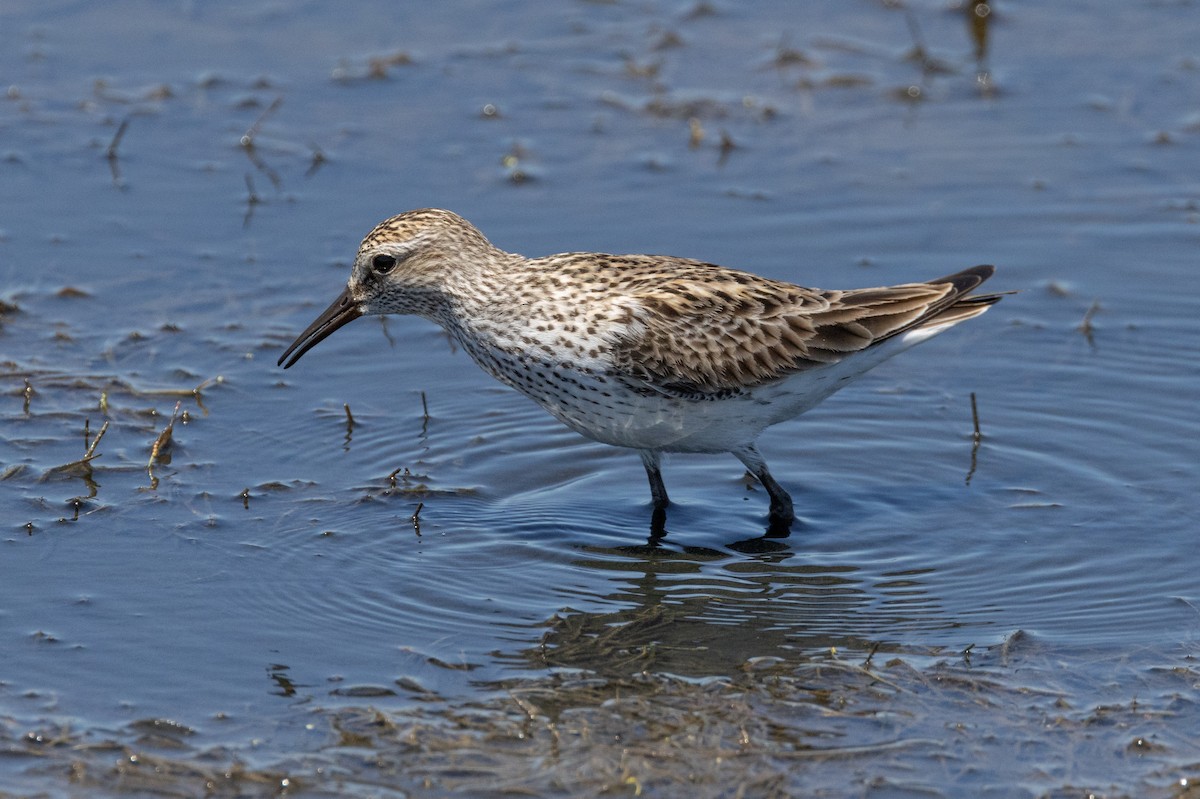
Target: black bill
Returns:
[[343, 310]]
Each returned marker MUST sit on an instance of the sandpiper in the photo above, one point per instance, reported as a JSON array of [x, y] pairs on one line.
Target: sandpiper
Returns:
[[652, 352]]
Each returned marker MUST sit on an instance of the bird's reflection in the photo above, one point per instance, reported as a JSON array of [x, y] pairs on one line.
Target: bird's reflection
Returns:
[[702, 611]]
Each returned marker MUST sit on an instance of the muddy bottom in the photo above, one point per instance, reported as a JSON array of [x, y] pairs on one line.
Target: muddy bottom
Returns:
[[1012, 720]]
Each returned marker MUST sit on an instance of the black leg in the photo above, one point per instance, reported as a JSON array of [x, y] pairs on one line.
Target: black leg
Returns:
[[658, 526], [658, 491], [781, 515]]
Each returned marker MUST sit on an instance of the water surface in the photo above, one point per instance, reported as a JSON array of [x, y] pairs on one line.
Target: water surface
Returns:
[[181, 196]]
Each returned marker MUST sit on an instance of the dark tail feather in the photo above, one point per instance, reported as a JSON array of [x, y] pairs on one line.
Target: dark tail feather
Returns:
[[968, 279], [961, 304]]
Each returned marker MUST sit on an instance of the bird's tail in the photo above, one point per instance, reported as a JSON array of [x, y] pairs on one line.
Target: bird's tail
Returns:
[[960, 304]]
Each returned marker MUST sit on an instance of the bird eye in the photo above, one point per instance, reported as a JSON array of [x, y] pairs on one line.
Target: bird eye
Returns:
[[383, 263]]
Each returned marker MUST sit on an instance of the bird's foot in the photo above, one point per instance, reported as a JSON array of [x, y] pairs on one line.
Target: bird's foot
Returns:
[[780, 520], [658, 521]]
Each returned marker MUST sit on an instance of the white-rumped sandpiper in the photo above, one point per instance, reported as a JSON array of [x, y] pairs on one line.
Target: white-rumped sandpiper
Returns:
[[652, 352]]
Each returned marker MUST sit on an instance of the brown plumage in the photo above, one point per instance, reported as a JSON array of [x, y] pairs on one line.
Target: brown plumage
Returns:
[[758, 330]]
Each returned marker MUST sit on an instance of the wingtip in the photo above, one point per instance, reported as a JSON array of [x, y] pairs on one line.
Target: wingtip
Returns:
[[968, 279]]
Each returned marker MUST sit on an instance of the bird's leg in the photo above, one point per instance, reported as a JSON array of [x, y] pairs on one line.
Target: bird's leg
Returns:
[[658, 491], [781, 513]]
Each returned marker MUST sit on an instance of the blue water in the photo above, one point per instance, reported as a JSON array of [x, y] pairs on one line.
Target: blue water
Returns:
[[274, 542]]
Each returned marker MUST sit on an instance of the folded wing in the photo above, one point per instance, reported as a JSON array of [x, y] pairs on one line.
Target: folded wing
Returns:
[[720, 330]]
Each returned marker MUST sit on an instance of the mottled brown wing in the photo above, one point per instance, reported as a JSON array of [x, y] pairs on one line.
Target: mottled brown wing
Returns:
[[724, 330]]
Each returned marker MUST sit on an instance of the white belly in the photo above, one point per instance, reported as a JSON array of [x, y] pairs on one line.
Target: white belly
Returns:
[[608, 411]]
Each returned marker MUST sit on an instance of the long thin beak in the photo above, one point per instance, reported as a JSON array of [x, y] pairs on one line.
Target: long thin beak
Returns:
[[343, 310]]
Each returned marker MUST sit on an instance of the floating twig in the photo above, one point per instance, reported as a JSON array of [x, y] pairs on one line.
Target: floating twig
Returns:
[[788, 56], [83, 466], [196, 393], [840, 664], [160, 451], [727, 146], [1085, 327], [979, 16], [976, 438], [349, 425], [91, 450], [392, 477], [247, 142], [206, 383], [162, 444], [915, 93], [27, 393], [1187, 602], [200, 397], [169, 392], [424, 416], [871, 654], [318, 159], [975, 419], [111, 152], [919, 52], [416, 519], [377, 66], [252, 201]]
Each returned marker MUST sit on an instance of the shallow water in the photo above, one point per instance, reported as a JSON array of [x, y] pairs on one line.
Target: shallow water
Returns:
[[267, 586]]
